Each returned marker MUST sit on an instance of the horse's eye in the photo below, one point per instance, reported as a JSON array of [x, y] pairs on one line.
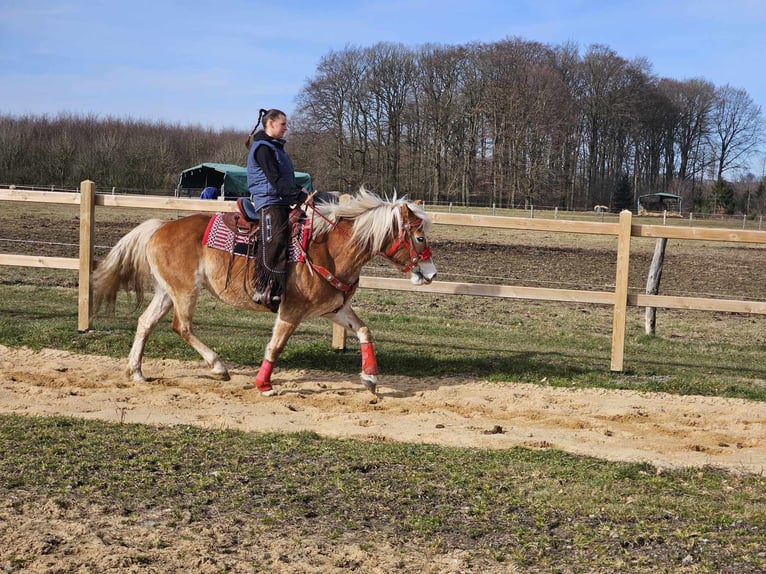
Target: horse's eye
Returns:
[[420, 239]]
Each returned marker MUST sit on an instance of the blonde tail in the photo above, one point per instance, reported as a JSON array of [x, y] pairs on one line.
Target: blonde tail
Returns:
[[125, 267]]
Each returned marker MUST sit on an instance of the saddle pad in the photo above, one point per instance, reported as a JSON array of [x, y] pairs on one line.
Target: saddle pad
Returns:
[[219, 236]]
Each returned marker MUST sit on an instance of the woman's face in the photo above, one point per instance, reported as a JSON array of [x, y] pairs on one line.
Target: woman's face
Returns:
[[276, 128]]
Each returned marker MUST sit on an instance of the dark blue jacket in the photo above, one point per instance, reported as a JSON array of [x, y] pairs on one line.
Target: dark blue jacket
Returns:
[[270, 173]]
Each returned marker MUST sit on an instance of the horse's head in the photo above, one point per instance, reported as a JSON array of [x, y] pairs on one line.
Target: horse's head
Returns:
[[409, 251], [395, 229]]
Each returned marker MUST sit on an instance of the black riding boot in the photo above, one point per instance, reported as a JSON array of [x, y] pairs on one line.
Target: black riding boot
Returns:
[[272, 256]]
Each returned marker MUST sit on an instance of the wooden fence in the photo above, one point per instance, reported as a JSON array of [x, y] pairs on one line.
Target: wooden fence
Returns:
[[619, 299]]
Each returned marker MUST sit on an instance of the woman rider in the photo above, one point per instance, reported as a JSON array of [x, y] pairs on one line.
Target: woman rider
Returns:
[[271, 181]]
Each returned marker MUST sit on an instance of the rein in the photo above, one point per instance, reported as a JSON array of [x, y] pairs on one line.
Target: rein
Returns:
[[323, 272], [402, 240]]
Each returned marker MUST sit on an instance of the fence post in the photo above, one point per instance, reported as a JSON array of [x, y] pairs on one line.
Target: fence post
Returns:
[[84, 297], [338, 337], [621, 290], [653, 283]]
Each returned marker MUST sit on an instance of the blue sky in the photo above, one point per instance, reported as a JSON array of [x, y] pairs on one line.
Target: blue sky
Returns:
[[215, 64]]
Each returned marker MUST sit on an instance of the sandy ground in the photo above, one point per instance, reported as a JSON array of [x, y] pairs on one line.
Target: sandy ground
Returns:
[[41, 537], [665, 430]]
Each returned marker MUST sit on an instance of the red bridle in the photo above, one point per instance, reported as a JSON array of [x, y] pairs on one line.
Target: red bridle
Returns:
[[404, 233], [402, 240]]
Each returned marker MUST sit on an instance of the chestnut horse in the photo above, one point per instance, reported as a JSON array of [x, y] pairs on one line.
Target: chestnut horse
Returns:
[[171, 257]]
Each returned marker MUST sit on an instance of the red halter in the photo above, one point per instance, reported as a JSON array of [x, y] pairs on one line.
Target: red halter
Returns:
[[403, 240]]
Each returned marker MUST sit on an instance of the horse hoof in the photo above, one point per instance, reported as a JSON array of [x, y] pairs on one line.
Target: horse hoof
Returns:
[[370, 383], [265, 387], [136, 376], [220, 371]]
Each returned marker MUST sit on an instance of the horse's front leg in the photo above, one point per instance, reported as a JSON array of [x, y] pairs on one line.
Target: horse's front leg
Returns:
[[279, 336], [348, 319]]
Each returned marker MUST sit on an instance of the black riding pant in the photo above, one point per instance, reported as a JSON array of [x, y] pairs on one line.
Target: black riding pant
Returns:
[[273, 248]]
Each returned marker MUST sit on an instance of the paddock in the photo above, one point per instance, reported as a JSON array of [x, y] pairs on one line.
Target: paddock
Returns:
[[619, 298], [684, 437]]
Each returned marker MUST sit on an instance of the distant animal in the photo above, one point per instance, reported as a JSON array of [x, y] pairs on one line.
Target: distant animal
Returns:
[[343, 236], [600, 208]]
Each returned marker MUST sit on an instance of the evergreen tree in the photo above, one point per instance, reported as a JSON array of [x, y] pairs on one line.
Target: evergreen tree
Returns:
[[623, 195], [723, 197]]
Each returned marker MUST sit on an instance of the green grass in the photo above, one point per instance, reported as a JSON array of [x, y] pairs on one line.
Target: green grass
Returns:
[[532, 510], [431, 335], [545, 509]]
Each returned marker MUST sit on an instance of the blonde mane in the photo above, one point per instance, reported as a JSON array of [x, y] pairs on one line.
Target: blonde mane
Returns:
[[375, 218]]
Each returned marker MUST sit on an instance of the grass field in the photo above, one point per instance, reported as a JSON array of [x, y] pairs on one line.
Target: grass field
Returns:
[[515, 510]]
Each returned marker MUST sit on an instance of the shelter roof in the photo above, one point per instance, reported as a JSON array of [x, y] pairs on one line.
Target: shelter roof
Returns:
[[662, 194], [231, 179]]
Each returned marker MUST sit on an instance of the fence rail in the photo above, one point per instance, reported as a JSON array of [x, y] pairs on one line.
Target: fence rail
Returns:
[[619, 299]]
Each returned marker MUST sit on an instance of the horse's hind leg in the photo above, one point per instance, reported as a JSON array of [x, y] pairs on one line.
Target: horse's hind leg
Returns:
[[348, 319], [156, 310], [182, 324]]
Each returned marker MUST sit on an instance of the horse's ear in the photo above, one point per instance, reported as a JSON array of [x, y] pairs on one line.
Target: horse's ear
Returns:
[[417, 202]]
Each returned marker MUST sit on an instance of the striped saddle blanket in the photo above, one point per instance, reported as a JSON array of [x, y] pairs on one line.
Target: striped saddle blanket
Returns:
[[219, 235]]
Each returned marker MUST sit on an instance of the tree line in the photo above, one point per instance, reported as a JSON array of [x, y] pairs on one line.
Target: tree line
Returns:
[[131, 155], [507, 123], [515, 122]]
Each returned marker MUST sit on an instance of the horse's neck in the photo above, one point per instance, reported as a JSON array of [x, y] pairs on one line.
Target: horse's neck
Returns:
[[345, 259]]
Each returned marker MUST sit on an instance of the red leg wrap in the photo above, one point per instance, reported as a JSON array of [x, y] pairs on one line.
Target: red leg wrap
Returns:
[[263, 378], [369, 363]]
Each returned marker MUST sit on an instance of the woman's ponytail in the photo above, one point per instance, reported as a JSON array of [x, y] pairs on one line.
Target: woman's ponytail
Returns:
[[263, 115]]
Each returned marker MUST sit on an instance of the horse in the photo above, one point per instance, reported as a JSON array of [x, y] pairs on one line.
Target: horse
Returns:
[[170, 257]]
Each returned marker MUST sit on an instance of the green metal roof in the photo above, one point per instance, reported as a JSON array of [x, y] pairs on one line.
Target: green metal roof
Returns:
[[229, 178], [661, 194]]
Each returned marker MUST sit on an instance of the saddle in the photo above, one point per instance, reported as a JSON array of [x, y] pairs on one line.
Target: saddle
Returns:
[[237, 232], [244, 222]]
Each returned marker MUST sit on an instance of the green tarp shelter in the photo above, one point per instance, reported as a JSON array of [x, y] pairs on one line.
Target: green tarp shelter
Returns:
[[659, 202], [229, 178]]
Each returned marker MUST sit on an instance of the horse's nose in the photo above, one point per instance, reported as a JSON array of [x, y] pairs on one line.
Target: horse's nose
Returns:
[[428, 269]]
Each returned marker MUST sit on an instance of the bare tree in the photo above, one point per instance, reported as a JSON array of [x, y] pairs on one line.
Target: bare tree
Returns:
[[391, 77], [693, 100], [611, 113], [334, 104], [440, 115], [655, 128], [15, 136], [736, 129]]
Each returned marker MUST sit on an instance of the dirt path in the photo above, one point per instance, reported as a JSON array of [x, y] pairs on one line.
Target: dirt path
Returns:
[[665, 430]]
